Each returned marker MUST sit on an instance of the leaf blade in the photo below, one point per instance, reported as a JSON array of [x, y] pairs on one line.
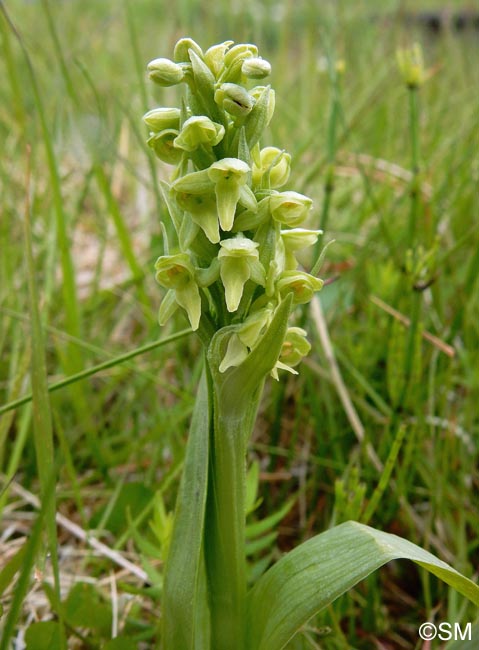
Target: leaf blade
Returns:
[[320, 570]]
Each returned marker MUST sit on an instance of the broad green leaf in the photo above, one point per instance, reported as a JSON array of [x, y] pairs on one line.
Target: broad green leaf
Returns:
[[45, 635], [184, 560], [313, 575]]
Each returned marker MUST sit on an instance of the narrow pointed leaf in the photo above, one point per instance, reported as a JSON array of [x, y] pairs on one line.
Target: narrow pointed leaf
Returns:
[[312, 576], [184, 560]]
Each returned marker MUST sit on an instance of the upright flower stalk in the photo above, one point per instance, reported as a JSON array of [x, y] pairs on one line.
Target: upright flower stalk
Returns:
[[235, 275]]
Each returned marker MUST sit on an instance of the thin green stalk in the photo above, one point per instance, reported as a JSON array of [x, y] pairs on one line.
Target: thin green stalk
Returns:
[[88, 372], [415, 162], [42, 419]]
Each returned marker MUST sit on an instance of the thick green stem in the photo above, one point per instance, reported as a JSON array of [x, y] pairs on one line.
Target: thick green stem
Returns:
[[225, 527]]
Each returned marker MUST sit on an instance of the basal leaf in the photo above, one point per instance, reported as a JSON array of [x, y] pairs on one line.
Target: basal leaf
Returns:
[[313, 575], [184, 558]]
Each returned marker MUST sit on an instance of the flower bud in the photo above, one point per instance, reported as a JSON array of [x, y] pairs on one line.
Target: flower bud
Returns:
[[214, 56], [240, 52], [199, 130], [160, 119], [239, 261], [163, 145], [289, 208], [165, 72], [177, 273], [275, 165], [182, 49], [256, 93], [301, 284], [411, 66], [234, 99], [256, 68]]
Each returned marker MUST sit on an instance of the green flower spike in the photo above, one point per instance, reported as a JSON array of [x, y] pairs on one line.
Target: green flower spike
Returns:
[[160, 119], [290, 208], [199, 130], [229, 176], [163, 145], [177, 273], [239, 262], [273, 163], [165, 72], [301, 284], [295, 347], [411, 66]]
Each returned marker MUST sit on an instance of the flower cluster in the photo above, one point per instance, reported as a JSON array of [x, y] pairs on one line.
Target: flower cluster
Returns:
[[238, 232]]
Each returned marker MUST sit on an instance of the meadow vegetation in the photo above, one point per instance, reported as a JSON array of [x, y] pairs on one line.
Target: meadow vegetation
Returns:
[[381, 423]]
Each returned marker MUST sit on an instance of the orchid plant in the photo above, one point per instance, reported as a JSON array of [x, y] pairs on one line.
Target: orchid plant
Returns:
[[233, 271]]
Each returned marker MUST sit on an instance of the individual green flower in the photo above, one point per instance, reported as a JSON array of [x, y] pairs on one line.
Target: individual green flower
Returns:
[[275, 165], [296, 239], [160, 119], [252, 328], [236, 353], [165, 72], [199, 130], [301, 284], [295, 347], [246, 337], [256, 68], [203, 211], [234, 99], [239, 262], [290, 208], [229, 175], [163, 145], [175, 272]]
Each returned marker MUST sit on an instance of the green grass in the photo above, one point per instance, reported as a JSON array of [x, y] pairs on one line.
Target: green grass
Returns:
[[72, 88]]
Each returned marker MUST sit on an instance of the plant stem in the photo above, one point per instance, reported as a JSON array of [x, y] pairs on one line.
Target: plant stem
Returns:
[[225, 522], [414, 134]]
